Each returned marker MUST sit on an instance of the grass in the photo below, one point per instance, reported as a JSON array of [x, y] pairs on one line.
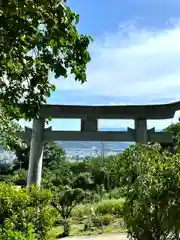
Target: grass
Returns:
[[5, 177], [92, 219], [77, 230]]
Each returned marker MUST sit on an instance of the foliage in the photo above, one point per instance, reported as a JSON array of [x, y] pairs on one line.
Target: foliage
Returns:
[[113, 206], [175, 130], [38, 36], [26, 212], [58, 177], [82, 210], [20, 177], [65, 200], [99, 172], [5, 167], [152, 194], [8, 129], [22, 156], [116, 193], [107, 219], [8, 232], [53, 156], [102, 220], [83, 181]]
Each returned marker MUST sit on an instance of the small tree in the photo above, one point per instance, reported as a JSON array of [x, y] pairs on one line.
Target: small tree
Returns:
[[65, 200], [152, 206]]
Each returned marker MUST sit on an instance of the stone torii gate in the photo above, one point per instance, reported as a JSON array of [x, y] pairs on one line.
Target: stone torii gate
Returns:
[[89, 116]]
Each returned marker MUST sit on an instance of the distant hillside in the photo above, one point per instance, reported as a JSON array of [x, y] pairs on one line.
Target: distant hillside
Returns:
[[108, 146], [88, 145]]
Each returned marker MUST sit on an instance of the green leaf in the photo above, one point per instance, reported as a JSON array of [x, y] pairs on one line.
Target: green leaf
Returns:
[[53, 87], [48, 94], [51, 42], [10, 63], [77, 18], [22, 38], [60, 70]]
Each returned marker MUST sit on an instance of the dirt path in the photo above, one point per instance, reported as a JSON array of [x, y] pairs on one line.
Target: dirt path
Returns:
[[114, 236]]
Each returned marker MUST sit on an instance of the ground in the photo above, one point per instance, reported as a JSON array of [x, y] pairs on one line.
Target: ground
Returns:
[[107, 236]]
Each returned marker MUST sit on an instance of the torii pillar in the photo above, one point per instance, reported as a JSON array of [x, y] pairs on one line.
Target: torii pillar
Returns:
[[141, 131], [36, 152]]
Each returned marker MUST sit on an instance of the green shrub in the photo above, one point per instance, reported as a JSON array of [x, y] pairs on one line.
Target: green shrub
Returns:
[[152, 206], [26, 212], [102, 220], [113, 206], [117, 193], [97, 221], [82, 210], [88, 224], [8, 232], [107, 219]]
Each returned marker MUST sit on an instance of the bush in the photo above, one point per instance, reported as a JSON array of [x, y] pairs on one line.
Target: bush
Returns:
[[102, 220], [97, 221], [107, 219], [8, 232], [113, 206], [81, 210], [87, 224], [117, 193], [152, 206], [26, 212]]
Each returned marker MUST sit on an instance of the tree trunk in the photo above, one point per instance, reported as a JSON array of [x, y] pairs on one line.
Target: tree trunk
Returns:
[[66, 228], [177, 235]]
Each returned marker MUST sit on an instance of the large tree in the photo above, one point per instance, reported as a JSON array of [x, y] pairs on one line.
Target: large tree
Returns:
[[38, 36], [8, 129], [53, 155]]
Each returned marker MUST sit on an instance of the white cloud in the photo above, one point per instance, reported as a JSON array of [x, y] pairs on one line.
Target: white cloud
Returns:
[[133, 62], [136, 63]]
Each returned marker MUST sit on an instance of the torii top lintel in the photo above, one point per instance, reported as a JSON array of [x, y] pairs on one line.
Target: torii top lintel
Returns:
[[153, 111]]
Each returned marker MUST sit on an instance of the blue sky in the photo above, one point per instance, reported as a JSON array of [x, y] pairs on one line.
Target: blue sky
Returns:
[[135, 57]]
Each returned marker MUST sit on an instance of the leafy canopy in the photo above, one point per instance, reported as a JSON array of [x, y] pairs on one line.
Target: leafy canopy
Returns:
[[152, 194], [8, 129], [66, 200], [38, 36]]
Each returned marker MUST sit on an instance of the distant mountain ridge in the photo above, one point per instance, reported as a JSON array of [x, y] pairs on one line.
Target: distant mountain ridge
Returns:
[[96, 145], [88, 146], [74, 146]]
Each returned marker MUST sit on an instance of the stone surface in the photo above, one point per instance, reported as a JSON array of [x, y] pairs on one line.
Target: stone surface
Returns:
[[149, 111], [36, 153]]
